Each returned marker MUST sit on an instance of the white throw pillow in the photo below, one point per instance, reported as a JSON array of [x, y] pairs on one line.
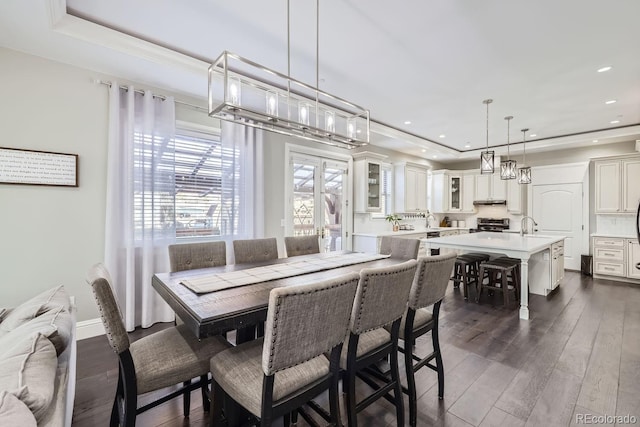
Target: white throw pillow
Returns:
[[15, 413], [41, 303], [28, 372]]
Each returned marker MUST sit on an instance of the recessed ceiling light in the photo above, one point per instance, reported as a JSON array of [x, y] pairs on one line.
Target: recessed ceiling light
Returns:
[[467, 146], [435, 156], [407, 122], [595, 140], [359, 131], [603, 69], [424, 151], [533, 135], [613, 122], [611, 101], [443, 136]]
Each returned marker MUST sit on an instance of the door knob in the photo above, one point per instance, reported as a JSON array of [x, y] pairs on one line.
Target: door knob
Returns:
[[638, 266]]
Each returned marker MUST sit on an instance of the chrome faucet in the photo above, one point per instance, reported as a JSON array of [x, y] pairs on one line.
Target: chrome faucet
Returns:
[[428, 217], [523, 223]]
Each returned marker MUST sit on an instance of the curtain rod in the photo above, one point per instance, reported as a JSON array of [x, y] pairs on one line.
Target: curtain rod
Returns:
[[162, 97]]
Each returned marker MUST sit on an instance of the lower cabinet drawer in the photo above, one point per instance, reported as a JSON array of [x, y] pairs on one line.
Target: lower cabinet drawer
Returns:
[[608, 242], [609, 254], [609, 268]]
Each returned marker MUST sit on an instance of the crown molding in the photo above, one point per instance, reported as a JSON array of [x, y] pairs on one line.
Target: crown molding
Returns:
[[64, 23]]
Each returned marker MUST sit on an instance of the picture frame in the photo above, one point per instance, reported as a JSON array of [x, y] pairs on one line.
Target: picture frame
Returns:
[[34, 167]]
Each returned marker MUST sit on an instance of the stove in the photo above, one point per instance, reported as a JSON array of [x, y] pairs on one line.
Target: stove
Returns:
[[493, 224]]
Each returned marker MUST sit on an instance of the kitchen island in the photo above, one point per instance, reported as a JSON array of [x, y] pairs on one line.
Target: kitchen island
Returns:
[[541, 257]]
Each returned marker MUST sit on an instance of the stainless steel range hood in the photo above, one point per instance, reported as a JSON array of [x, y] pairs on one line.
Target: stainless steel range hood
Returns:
[[490, 202]]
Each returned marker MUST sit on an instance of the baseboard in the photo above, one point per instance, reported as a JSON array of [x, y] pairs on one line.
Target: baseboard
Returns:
[[89, 328]]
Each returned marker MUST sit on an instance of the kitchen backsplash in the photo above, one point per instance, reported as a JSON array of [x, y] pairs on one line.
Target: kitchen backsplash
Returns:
[[363, 223], [616, 224]]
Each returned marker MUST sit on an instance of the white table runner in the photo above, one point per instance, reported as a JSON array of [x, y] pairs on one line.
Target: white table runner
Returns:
[[219, 281]]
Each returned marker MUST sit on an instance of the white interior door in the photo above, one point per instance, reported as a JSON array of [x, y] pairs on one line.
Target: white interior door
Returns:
[[557, 208], [318, 200]]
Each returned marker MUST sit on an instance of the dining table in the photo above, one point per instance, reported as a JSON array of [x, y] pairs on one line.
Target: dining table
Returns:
[[212, 301]]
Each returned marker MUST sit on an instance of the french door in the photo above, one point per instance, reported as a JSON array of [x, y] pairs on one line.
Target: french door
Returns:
[[318, 203]]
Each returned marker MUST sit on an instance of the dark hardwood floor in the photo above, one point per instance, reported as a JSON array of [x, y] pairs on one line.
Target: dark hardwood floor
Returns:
[[578, 354]]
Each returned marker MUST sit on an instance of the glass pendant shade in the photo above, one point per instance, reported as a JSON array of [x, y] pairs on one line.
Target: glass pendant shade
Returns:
[[304, 113], [486, 161], [352, 128], [329, 121], [233, 91], [508, 169], [272, 103], [524, 175]]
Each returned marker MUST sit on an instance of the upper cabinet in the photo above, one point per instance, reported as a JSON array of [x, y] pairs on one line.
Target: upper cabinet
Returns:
[[515, 197], [630, 185], [367, 181], [452, 191], [490, 187], [617, 189], [410, 187]]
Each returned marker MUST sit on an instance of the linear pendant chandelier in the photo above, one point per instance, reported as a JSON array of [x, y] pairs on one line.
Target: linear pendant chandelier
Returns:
[[243, 91], [487, 157], [508, 167]]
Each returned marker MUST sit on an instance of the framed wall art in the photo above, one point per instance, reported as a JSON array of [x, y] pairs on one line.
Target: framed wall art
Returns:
[[31, 167]]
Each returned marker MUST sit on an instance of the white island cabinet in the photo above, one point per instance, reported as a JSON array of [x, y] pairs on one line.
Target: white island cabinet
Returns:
[[541, 257]]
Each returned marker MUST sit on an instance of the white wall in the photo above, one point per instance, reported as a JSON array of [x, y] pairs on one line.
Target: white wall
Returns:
[[52, 235]]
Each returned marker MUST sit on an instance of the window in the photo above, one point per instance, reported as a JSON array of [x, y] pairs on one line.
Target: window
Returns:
[[207, 194], [199, 191]]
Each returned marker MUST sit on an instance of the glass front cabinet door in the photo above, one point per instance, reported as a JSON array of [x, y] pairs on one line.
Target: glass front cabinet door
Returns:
[[368, 183]]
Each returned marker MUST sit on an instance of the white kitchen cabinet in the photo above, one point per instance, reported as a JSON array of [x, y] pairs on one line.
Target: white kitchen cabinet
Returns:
[[634, 259], [452, 191], [483, 186], [490, 187], [410, 188], [468, 187], [367, 172], [499, 187], [557, 263], [609, 257], [630, 185], [616, 182], [515, 197]]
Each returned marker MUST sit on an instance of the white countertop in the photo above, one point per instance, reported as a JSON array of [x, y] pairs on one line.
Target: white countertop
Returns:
[[493, 242], [418, 230], [620, 236]]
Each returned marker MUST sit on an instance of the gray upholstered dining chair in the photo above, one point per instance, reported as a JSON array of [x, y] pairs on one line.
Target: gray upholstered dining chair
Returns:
[[274, 376], [381, 300], [399, 247], [428, 289], [162, 359], [301, 245], [190, 256], [255, 250]]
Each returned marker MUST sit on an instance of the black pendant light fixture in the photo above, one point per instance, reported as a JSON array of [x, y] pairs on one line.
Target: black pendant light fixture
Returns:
[[524, 173], [508, 167], [486, 157]]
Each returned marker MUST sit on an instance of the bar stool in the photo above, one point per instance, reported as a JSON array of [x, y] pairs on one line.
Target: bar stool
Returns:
[[502, 277], [466, 269]]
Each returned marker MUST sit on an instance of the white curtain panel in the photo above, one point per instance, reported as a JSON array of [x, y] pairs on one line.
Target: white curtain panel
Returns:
[[244, 179], [140, 201]]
